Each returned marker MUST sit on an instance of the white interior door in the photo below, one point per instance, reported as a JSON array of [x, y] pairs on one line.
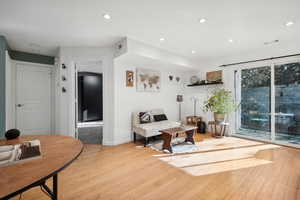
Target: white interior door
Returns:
[[33, 105]]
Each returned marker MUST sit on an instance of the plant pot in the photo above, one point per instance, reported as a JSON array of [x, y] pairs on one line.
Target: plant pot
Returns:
[[219, 117]]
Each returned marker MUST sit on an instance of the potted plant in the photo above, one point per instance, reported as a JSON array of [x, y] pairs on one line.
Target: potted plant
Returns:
[[220, 103]]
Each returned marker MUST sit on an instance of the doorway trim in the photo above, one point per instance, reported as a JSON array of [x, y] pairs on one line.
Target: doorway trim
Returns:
[[89, 66]]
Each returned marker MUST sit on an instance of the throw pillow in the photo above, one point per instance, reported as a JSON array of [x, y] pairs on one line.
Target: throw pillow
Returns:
[[145, 117], [161, 117]]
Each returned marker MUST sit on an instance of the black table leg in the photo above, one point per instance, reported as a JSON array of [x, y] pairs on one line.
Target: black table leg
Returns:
[[55, 187], [146, 141], [53, 193]]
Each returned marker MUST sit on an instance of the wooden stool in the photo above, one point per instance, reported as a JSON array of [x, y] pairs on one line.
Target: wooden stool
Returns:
[[213, 127]]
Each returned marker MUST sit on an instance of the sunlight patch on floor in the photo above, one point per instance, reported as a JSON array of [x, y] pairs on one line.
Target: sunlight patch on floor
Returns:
[[224, 166], [213, 144], [204, 163]]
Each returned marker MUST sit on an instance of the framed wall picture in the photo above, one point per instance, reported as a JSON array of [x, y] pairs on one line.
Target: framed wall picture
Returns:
[[129, 78], [148, 80], [214, 76]]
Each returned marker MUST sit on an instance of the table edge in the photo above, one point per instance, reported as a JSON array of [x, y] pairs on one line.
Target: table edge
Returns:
[[44, 178]]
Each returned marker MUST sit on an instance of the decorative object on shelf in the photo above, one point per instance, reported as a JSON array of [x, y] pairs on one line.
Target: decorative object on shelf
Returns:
[[64, 66], [12, 134], [179, 100], [220, 103], [63, 89], [63, 78], [214, 76], [177, 79], [171, 78], [148, 80], [194, 80], [129, 78]]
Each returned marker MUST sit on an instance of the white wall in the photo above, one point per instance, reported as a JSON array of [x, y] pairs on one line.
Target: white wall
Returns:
[[202, 94], [128, 100], [133, 55], [146, 51], [66, 108], [90, 66]]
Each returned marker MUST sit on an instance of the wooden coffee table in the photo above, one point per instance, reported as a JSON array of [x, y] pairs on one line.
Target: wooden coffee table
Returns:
[[169, 134], [57, 153]]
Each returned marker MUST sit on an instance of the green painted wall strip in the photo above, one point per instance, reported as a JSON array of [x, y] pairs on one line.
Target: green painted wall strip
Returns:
[[29, 57], [3, 48]]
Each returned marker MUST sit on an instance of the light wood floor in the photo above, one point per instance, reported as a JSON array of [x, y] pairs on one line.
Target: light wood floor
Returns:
[[127, 172]]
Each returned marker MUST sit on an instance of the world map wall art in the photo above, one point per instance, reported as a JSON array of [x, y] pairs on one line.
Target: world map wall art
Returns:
[[148, 80]]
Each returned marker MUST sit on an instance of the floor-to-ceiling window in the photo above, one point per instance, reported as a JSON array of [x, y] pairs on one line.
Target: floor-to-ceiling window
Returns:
[[255, 107], [269, 99], [287, 103]]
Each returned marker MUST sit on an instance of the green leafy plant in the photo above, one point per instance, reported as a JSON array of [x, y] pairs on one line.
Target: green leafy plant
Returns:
[[221, 102]]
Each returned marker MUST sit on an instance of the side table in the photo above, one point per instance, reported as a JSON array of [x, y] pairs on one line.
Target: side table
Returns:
[[213, 128]]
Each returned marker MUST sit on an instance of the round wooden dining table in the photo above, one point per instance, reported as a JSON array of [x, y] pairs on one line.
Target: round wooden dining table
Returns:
[[57, 151]]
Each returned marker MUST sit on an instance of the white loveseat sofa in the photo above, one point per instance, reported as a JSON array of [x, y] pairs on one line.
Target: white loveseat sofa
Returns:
[[150, 129]]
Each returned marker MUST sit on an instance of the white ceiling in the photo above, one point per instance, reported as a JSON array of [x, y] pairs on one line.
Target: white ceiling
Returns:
[[40, 26]]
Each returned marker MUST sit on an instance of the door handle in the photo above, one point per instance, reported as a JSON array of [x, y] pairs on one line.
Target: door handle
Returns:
[[20, 105]]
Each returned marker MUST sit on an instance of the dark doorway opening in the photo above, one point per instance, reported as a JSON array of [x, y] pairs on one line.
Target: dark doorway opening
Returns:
[[90, 97]]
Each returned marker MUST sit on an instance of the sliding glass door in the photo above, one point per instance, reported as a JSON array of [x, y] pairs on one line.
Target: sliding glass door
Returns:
[[287, 103], [269, 99], [255, 107]]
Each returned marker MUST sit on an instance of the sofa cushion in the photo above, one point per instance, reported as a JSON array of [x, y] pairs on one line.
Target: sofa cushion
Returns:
[[151, 129], [145, 117], [161, 117]]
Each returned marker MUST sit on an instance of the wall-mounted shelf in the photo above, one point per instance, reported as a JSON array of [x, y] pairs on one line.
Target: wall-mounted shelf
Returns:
[[201, 84]]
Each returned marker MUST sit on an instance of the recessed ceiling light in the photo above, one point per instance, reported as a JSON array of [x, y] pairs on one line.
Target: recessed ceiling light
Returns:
[[162, 39], [230, 40], [193, 52], [106, 16], [202, 20], [290, 23]]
